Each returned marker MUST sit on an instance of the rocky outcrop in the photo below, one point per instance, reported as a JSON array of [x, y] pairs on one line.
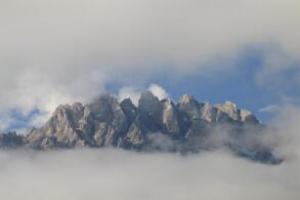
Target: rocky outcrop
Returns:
[[97, 124], [185, 126]]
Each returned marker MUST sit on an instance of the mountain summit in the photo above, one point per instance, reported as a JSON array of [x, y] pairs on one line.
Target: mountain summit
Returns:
[[154, 125]]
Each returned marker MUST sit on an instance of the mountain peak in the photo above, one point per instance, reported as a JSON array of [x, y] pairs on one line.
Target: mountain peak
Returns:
[[188, 124], [186, 99]]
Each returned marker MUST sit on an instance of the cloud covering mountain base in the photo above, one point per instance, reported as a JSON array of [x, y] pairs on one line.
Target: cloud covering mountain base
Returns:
[[111, 174], [115, 174], [55, 52]]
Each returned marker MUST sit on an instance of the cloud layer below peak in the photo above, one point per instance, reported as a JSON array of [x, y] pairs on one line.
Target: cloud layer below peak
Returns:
[[115, 174], [63, 51]]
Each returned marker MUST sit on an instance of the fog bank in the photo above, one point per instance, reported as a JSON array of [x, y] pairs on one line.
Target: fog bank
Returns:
[[115, 174], [112, 174]]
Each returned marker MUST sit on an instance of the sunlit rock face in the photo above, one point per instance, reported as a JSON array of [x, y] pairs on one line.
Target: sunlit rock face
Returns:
[[154, 125], [97, 124]]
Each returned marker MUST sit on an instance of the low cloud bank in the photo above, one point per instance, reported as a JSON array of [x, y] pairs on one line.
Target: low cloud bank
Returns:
[[115, 174], [110, 174]]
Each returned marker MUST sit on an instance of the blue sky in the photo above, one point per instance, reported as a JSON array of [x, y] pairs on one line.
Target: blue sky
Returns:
[[238, 84]]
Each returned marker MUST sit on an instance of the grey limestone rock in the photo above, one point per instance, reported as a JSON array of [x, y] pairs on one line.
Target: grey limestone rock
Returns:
[[185, 126]]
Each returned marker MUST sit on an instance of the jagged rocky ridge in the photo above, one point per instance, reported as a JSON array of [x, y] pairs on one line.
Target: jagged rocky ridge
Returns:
[[154, 125]]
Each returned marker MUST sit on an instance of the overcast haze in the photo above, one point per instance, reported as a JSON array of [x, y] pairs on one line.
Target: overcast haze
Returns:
[[62, 51]]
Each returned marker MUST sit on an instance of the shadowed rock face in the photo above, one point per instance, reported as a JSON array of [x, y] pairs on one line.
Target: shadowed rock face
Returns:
[[185, 126], [10, 140]]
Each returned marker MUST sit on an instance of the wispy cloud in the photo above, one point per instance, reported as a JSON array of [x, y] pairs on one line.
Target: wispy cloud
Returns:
[[134, 93]]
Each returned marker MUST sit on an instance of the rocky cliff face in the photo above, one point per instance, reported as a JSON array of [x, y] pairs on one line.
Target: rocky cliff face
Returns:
[[185, 126]]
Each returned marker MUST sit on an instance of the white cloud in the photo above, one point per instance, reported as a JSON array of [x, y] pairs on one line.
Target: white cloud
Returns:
[[115, 174], [269, 108], [112, 175], [287, 129], [158, 91], [130, 92], [134, 93], [58, 51]]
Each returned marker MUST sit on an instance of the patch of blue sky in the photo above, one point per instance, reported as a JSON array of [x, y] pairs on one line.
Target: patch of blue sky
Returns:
[[20, 120], [237, 84]]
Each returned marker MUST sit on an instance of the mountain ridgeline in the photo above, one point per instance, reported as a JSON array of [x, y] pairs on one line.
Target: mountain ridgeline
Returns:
[[187, 126]]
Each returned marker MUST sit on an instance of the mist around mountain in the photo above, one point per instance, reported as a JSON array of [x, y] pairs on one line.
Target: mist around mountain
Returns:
[[154, 125], [114, 173]]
